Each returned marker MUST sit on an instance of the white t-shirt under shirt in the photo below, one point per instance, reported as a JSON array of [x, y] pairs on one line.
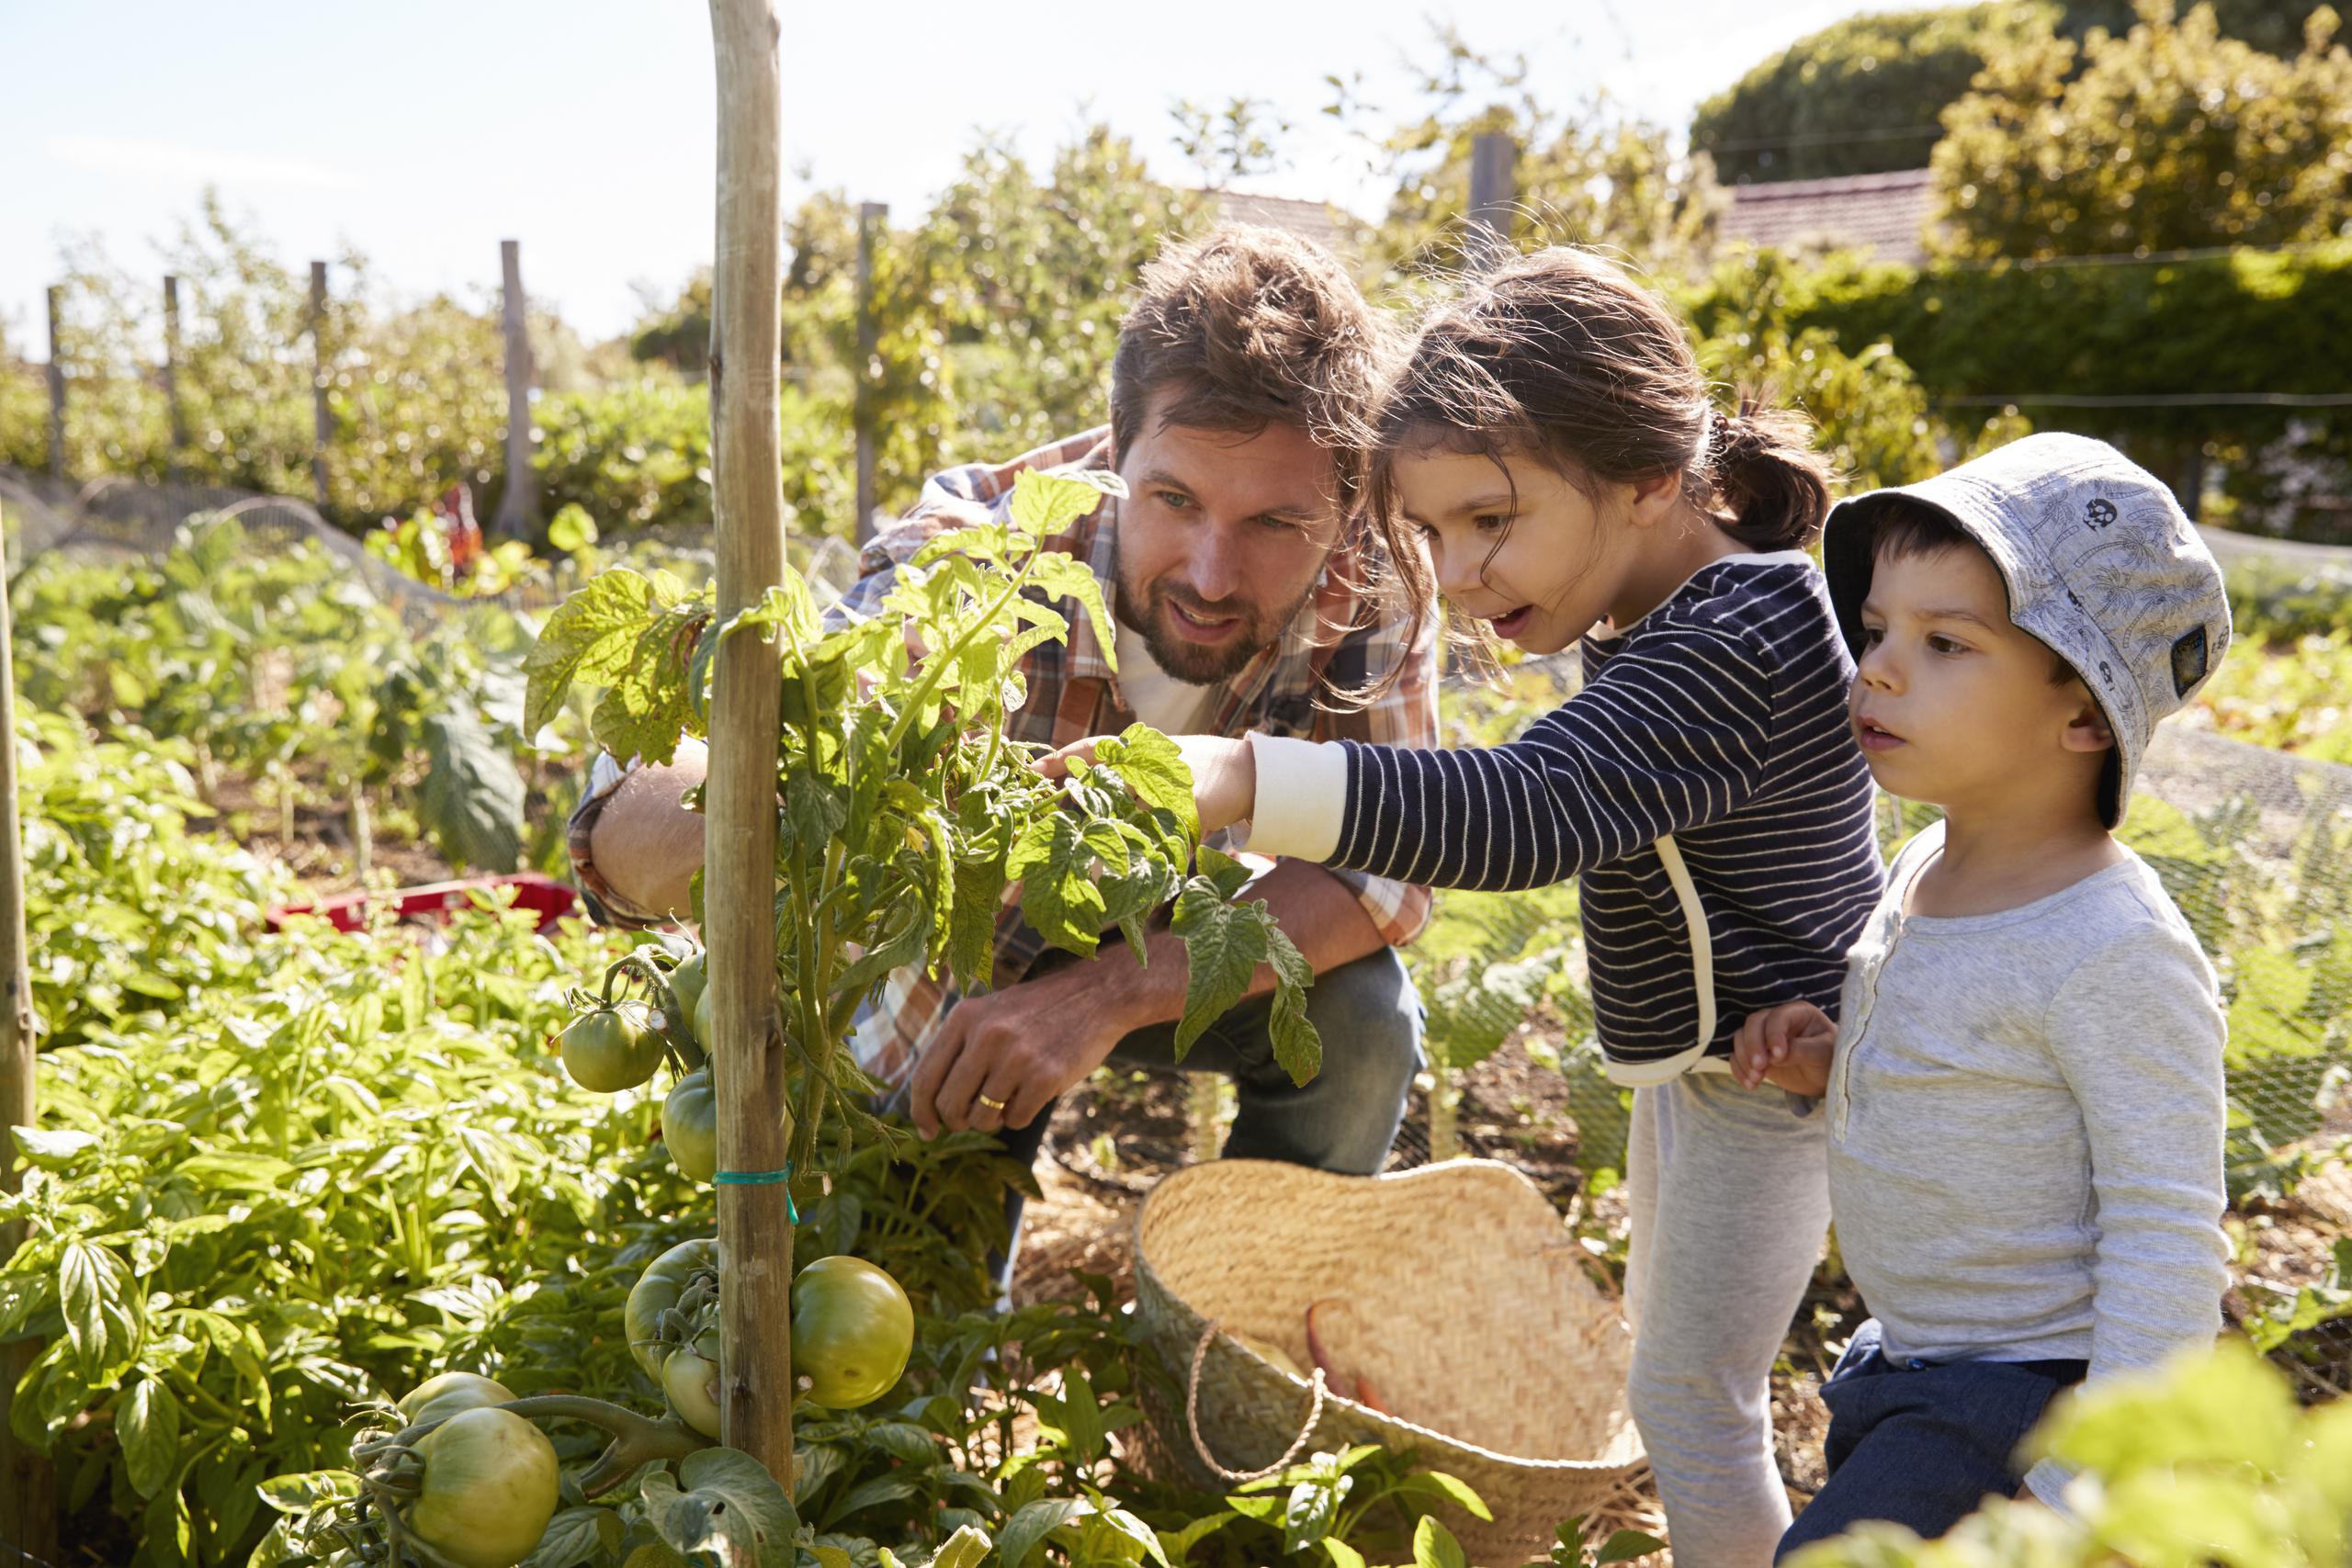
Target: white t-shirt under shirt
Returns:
[[1153, 695]]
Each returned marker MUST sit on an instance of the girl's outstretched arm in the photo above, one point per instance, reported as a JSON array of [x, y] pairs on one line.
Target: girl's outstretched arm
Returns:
[[1673, 730]]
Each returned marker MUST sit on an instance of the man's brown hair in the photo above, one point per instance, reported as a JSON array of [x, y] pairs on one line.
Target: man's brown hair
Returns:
[[1245, 327]]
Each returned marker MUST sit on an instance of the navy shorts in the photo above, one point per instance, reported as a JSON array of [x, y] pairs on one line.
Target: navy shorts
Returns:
[[1922, 1443]]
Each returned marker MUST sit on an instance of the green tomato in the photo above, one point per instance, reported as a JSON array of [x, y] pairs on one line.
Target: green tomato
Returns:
[[657, 1291], [613, 1048], [690, 1377], [690, 1126], [705, 1008], [488, 1491], [687, 983], [441, 1396], [852, 1330]]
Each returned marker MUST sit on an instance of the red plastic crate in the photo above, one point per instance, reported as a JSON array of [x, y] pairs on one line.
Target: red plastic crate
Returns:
[[544, 896]]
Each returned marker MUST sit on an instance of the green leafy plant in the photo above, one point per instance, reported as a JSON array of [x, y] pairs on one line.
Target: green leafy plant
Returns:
[[906, 814]]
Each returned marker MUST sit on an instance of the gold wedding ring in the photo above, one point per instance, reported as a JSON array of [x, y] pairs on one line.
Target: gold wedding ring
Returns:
[[991, 1105]]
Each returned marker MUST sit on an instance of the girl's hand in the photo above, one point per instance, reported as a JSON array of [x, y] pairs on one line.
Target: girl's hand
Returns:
[[1225, 775], [1788, 1046]]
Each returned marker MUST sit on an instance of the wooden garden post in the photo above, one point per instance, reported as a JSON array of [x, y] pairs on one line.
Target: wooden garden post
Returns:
[[870, 214], [321, 427], [56, 382], [172, 375], [27, 1491], [1494, 188], [518, 504], [739, 887]]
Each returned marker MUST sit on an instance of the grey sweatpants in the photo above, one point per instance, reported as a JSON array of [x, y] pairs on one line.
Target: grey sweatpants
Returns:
[[1730, 1199]]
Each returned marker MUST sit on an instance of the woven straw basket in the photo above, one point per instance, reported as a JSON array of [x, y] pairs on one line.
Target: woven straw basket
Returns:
[[1454, 1289]]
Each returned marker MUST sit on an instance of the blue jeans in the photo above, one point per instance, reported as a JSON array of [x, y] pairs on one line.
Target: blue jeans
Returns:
[[1343, 1119], [1922, 1443]]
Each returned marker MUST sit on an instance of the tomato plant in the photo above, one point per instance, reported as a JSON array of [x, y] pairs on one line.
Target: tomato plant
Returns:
[[908, 816]]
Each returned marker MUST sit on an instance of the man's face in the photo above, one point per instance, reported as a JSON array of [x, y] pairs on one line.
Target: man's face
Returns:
[[1953, 705], [1220, 540]]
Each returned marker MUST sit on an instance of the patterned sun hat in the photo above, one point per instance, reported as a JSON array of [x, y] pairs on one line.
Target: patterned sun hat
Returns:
[[2101, 564]]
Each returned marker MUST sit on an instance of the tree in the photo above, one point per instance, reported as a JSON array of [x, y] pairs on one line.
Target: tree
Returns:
[[1029, 281], [2171, 136], [1865, 95], [1590, 175], [1857, 97]]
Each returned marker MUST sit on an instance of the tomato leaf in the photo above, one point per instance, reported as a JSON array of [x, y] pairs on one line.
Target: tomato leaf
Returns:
[[1152, 767], [1054, 863], [1224, 945], [1298, 1048], [590, 636], [723, 1510], [1046, 503], [147, 1423], [578, 1536]]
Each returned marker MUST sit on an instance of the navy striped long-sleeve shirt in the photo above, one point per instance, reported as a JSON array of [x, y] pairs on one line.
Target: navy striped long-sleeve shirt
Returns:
[[1718, 719]]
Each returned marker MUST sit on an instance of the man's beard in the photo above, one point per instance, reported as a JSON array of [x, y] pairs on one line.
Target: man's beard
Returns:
[[1144, 611]]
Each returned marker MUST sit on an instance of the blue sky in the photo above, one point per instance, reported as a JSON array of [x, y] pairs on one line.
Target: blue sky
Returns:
[[423, 133]]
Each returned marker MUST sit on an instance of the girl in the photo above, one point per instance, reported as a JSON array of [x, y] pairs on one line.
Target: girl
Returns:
[[1547, 461]]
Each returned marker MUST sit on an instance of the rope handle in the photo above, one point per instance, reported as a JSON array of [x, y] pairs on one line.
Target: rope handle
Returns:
[[1192, 1418]]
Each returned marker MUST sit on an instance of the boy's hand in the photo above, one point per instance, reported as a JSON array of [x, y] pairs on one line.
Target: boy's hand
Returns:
[[1788, 1046], [1225, 775]]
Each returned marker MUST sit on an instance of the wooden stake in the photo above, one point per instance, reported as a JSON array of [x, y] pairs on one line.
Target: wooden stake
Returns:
[[320, 428], [738, 797], [869, 214], [1493, 187], [172, 375], [56, 383], [518, 505], [27, 1488]]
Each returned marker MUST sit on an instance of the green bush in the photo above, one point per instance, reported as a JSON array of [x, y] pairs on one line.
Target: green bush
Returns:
[[128, 915], [2242, 322], [1859, 97]]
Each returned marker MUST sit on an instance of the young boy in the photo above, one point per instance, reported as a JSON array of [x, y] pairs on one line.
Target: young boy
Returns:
[[2024, 1096]]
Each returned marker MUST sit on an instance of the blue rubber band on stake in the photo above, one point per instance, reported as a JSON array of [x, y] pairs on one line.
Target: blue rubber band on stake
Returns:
[[762, 1179]]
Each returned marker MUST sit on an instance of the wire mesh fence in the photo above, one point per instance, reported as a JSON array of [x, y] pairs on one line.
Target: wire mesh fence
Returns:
[[2254, 845]]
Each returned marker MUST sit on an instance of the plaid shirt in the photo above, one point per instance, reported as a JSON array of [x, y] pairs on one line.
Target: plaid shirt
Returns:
[[1072, 694]]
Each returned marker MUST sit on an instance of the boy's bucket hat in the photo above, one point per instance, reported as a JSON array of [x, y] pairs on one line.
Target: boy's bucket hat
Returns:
[[2101, 564]]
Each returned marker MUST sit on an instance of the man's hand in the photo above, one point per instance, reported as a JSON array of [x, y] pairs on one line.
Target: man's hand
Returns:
[[1224, 774], [1788, 1046], [1001, 1057], [644, 845]]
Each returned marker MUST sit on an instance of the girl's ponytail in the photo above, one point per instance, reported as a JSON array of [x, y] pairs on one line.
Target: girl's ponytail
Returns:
[[1765, 472]]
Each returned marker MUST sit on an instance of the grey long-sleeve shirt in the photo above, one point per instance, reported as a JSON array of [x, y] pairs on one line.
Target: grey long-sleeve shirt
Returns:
[[2026, 1125]]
